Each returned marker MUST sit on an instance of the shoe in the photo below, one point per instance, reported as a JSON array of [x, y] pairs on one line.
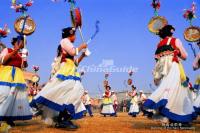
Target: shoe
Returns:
[[66, 124], [133, 115], [55, 119], [11, 123], [91, 115], [150, 115]]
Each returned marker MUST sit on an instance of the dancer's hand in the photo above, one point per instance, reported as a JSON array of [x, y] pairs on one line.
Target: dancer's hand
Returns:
[[83, 46], [83, 54]]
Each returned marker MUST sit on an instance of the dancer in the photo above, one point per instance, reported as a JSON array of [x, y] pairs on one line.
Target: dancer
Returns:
[[197, 101], [114, 101], [196, 66], [14, 103], [107, 103], [142, 98], [124, 106], [134, 108], [61, 96], [87, 103], [172, 97]]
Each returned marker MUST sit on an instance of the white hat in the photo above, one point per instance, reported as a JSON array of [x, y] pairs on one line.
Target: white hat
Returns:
[[141, 91], [86, 91]]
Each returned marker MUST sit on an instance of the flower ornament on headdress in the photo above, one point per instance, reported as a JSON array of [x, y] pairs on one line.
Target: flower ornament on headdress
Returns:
[[189, 14], [4, 31], [106, 75], [130, 73], [21, 7], [36, 68], [156, 5]]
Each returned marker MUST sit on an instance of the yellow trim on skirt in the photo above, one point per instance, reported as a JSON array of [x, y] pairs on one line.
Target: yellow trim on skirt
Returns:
[[68, 68], [182, 72], [6, 75], [107, 101], [197, 82]]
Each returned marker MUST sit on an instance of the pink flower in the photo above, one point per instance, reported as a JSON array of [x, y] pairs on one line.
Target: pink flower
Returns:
[[130, 73], [30, 3], [189, 14], [36, 68], [156, 4], [4, 32]]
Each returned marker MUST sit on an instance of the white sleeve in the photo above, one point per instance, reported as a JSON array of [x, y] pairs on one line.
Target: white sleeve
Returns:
[[179, 45], [68, 47]]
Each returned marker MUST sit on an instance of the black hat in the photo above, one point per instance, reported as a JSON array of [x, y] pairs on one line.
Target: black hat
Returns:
[[108, 87], [15, 39], [166, 31], [133, 87], [66, 32]]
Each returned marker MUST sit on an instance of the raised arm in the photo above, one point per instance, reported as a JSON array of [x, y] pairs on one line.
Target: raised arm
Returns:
[[68, 47]]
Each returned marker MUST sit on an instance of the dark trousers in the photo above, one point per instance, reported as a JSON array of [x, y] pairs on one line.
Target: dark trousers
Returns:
[[115, 107], [88, 108], [64, 116]]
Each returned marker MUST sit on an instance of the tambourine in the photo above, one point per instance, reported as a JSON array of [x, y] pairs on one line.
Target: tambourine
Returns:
[[192, 34], [29, 26], [157, 23], [130, 81], [31, 76], [35, 79], [76, 17]]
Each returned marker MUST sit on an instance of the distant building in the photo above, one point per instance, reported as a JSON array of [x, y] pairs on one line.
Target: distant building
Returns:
[[121, 96]]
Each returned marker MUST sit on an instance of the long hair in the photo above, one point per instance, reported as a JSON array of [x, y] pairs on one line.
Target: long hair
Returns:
[[59, 50], [166, 31]]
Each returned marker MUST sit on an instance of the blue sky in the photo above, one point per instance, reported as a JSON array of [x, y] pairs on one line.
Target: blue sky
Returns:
[[123, 37]]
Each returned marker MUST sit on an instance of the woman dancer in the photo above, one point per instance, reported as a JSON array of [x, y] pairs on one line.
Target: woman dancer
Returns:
[[107, 103], [134, 108], [172, 97], [14, 103], [62, 94]]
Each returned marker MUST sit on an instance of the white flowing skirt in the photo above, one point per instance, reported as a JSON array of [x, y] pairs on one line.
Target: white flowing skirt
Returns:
[[171, 98], [108, 110], [134, 109], [59, 95], [197, 105], [14, 104]]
